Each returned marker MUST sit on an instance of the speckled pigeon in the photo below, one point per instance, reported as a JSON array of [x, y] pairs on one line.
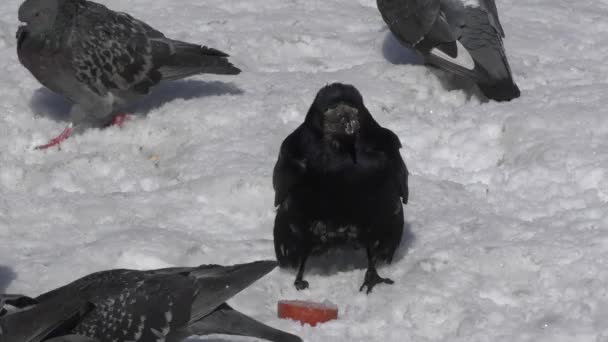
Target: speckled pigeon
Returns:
[[158, 305], [102, 60], [460, 36]]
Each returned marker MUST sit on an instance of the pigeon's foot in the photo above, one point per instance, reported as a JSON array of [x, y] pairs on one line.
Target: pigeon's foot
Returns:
[[372, 279], [119, 120], [301, 284], [57, 140]]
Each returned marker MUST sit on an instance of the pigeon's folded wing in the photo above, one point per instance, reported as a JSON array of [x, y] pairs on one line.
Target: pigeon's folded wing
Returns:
[[44, 319], [410, 20], [490, 7], [159, 303], [72, 338], [114, 51]]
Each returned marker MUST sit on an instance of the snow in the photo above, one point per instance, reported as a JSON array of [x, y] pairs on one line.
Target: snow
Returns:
[[507, 216]]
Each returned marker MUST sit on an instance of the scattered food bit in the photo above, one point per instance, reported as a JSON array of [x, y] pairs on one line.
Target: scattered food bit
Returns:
[[307, 312]]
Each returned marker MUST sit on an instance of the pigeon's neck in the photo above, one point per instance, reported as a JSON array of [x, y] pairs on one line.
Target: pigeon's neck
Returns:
[[46, 42]]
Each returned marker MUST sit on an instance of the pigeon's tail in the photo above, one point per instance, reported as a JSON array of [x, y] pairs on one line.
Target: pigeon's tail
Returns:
[[226, 320], [190, 59], [479, 55], [217, 284], [503, 90], [486, 65]]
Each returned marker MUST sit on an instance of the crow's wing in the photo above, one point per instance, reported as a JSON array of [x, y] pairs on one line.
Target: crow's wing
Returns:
[[289, 168], [392, 145]]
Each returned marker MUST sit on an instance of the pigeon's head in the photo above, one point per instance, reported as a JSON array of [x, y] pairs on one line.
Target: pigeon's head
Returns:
[[38, 15], [338, 110]]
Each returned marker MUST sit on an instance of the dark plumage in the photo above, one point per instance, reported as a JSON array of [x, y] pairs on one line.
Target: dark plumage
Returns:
[[127, 305], [459, 36], [102, 60], [339, 180]]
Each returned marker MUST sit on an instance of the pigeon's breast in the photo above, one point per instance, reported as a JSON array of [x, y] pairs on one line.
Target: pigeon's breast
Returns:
[[41, 62]]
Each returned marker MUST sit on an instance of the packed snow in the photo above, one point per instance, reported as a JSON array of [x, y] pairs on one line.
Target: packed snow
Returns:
[[507, 220]]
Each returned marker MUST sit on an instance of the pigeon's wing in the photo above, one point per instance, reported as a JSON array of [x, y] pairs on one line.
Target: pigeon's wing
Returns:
[[146, 310], [72, 338], [216, 284], [490, 7], [225, 320], [44, 319], [392, 145], [482, 37], [409, 20], [289, 168], [113, 51]]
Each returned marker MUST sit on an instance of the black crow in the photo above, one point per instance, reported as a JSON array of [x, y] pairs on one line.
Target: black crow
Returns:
[[339, 180]]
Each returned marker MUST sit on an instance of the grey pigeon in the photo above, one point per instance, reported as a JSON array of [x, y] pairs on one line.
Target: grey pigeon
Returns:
[[102, 60], [157, 305], [12, 302], [460, 36]]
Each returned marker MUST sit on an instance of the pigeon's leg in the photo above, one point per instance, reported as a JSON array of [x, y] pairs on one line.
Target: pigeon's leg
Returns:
[[83, 118], [119, 119], [371, 275], [300, 283], [58, 139], [226, 320]]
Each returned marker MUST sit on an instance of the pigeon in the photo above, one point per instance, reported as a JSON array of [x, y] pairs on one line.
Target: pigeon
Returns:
[[168, 304], [103, 60], [463, 37], [339, 180]]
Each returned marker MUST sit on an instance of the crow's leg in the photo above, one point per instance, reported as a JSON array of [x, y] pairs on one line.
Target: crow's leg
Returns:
[[371, 275], [300, 283]]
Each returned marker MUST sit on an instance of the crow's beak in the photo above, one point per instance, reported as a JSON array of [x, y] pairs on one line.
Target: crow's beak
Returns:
[[342, 118], [351, 126]]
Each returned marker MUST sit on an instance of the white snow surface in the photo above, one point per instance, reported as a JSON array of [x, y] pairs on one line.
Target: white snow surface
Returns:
[[508, 209]]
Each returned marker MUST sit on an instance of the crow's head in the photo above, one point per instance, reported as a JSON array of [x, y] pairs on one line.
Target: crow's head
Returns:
[[338, 111]]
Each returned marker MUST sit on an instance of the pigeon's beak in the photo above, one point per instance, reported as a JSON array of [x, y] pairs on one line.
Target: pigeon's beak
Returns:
[[21, 34]]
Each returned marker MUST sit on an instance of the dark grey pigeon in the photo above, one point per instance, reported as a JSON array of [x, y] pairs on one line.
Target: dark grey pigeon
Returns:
[[158, 305], [460, 36], [102, 60]]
